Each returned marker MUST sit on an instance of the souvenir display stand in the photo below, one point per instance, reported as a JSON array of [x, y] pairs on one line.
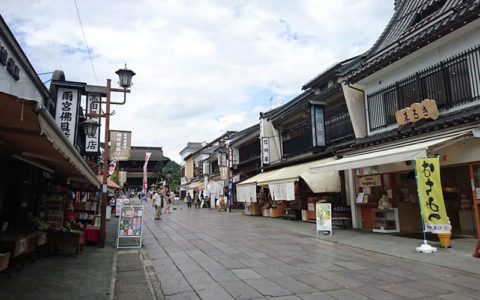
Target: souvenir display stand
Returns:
[[130, 227]]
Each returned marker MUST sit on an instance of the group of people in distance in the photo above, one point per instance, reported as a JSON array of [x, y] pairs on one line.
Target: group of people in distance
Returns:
[[162, 199], [197, 200]]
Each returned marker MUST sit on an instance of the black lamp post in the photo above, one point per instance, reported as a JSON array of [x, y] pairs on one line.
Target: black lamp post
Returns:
[[90, 126]]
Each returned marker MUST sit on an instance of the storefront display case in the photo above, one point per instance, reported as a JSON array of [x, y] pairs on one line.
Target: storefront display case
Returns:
[[386, 220]]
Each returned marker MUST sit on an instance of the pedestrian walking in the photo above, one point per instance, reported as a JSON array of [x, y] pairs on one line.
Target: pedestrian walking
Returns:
[[196, 199], [168, 204], [189, 200], [158, 204]]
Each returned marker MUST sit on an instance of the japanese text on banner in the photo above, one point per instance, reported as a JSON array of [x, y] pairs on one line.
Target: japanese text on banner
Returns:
[[431, 197]]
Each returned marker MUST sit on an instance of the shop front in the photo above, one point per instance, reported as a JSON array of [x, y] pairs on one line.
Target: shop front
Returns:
[[43, 179], [290, 192], [382, 188]]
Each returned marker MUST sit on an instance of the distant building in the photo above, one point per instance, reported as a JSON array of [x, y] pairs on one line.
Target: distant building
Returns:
[[134, 166]]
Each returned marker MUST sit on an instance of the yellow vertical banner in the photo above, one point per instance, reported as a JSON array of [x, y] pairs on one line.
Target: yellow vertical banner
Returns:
[[431, 197]]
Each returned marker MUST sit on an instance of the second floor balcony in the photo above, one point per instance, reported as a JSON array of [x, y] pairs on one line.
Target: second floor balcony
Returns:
[[299, 139], [452, 83]]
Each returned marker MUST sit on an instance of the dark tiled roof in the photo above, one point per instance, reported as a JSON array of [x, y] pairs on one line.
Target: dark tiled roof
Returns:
[[279, 111], [415, 24], [465, 117], [334, 71], [138, 153], [239, 137]]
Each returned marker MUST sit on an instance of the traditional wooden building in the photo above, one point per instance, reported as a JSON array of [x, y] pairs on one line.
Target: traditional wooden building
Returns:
[[429, 50]]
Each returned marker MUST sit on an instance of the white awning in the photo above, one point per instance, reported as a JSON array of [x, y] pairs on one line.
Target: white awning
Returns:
[[394, 153], [247, 193], [323, 182]]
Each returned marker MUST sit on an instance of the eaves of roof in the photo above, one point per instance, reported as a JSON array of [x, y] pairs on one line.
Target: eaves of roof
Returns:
[[333, 71], [279, 111], [400, 38]]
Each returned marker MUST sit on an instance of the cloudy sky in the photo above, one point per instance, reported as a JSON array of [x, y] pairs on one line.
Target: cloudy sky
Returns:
[[203, 66]]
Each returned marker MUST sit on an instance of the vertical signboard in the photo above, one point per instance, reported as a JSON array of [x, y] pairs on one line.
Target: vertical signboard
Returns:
[[92, 143], [120, 144], [265, 151], [130, 227], [318, 126], [67, 112], [323, 212]]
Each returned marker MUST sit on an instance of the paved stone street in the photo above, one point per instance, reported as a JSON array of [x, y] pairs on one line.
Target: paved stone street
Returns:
[[202, 254]]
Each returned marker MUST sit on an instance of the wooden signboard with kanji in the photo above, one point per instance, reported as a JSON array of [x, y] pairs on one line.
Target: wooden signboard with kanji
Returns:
[[427, 109]]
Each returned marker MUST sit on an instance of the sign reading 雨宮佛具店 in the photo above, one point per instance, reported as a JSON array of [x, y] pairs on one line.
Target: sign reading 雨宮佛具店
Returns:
[[67, 111], [369, 180], [427, 109], [120, 144], [431, 197]]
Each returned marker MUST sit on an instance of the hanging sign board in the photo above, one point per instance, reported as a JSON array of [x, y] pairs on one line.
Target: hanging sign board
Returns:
[[130, 226], [323, 213], [92, 143], [369, 181], [427, 109], [265, 151], [67, 112], [120, 144], [431, 197]]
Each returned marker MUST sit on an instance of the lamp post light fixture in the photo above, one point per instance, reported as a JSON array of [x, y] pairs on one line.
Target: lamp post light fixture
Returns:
[[90, 126]]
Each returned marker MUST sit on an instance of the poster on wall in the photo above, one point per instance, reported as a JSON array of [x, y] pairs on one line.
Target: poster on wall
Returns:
[[130, 227], [323, 212]]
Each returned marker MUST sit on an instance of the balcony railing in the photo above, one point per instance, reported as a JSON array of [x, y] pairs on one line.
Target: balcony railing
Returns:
[[451, 83], [338, 125], [297, 139]]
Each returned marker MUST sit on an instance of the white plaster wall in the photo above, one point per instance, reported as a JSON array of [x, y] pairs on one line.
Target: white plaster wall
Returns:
[[23, 88], [356, 107], [268, 130], [462, 152]]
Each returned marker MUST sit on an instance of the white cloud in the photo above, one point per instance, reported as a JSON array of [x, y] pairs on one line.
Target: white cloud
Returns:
[[203, 67]]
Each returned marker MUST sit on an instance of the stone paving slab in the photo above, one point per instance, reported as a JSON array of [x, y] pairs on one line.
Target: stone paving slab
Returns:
[[240, 290], [203, 254]]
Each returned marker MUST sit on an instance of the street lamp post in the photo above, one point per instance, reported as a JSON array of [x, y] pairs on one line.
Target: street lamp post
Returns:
[[125, 81]]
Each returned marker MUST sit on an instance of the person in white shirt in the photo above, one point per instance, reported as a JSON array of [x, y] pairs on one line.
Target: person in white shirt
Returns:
[[158, 204]]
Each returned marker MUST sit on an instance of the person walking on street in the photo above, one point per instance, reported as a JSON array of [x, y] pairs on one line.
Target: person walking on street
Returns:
[[189, 200], [168, 200], [158, 204], [196, 199]]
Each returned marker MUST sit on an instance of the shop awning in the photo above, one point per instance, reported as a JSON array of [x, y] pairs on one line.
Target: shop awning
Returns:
[[388, 154], [323, 182], [199, 185], [30, 132]]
